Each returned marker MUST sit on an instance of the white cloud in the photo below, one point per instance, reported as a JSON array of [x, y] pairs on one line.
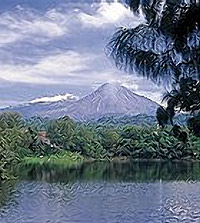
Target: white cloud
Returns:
[[155, 96], [7, 36], [63, 63], [133, 83], [110, 13], [44, 28], [49, 70], [129, 82], [86, 69], [58, 66], [66, 97], [76, 69], [16, 27], [21, 73]]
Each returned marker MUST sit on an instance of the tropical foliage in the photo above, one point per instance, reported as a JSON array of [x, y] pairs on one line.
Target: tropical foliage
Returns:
[[165, 49], [62, 141], [11, 142]]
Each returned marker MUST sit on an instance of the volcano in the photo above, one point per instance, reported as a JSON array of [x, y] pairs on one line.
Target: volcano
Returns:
[[108, 99]]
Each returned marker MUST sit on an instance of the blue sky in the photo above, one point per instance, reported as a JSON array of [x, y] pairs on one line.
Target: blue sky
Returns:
[[50, 47]]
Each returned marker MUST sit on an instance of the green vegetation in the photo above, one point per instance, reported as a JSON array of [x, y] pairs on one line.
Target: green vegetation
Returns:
[[165, 49], [7, 190], [62, 142], [139, 120], [119, 171], [11, 143], [65, 159]]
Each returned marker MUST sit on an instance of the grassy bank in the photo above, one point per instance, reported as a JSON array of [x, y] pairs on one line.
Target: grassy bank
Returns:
[[63, 142], [63, 159]]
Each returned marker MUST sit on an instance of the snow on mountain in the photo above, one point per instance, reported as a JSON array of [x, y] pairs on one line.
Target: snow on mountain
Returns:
[[55, 98], [108, 99]]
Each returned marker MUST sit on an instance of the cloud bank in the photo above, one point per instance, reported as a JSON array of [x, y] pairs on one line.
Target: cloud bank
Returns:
[[56, 98], [64, 44]]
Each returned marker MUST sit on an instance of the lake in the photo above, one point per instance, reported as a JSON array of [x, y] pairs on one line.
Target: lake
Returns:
[[104, 192]]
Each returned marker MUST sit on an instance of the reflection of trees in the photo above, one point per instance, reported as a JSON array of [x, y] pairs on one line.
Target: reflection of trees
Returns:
[[116, 171], [6, 191], [137, 171]]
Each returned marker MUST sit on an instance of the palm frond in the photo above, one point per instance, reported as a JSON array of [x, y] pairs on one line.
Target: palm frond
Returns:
[[134, 5], [139, 50]]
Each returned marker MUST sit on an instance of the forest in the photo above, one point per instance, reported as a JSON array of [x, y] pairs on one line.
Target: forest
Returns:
[[164, 49], [41, 142]]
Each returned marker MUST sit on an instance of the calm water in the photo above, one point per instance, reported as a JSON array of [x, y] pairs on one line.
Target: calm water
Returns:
[[105, 193]]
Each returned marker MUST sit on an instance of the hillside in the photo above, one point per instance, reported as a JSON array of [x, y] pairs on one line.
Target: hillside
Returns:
[[108, 99]]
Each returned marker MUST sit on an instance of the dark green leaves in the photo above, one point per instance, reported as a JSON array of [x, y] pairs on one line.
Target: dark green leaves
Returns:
[[165, 47]]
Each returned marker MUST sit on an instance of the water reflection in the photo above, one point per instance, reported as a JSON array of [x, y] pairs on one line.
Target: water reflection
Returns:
[[107, 193], [133, 171]]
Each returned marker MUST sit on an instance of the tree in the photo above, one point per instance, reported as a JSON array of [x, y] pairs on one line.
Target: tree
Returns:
[[164, 116], [11, 143], [61, 132], [165, 49]]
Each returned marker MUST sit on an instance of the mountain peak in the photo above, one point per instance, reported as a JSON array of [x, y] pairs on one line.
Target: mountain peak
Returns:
[[108, 99], [111, 84], [109, 89], [107, 86]]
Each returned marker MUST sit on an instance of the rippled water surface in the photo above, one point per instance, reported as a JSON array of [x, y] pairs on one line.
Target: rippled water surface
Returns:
[[105, 193]]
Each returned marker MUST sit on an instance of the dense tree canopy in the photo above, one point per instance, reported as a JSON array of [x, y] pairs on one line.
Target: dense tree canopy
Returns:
[[165, 49], [25, 143]]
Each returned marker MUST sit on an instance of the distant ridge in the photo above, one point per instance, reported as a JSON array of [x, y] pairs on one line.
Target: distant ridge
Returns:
[[108, 99]]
